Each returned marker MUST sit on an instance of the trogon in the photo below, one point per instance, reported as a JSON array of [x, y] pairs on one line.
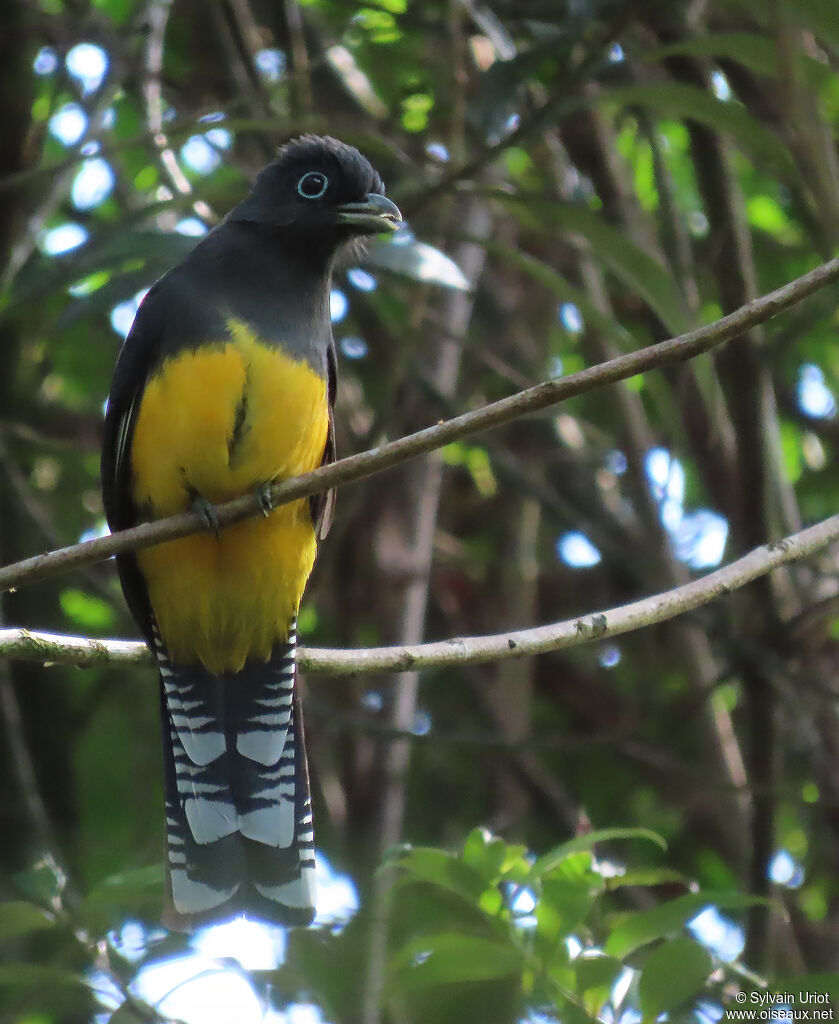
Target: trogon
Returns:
[[224, 386]]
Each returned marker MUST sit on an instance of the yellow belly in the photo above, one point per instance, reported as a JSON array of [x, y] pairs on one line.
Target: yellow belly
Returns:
[[220, 422]]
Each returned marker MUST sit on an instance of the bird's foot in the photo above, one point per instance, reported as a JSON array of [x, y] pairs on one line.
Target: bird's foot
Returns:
[[265, 501], [208, 512]]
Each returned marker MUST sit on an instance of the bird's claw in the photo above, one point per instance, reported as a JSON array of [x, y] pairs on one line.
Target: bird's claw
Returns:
[[207, 511], [265, 500]]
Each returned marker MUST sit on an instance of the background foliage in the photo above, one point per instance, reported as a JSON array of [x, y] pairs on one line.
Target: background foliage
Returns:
[[605, 173]]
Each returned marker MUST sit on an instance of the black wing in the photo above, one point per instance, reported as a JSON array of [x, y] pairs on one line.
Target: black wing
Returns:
[[138, 356], [322, 506]]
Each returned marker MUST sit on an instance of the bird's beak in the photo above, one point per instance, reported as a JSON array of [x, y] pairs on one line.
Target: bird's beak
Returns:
[[375, 215]]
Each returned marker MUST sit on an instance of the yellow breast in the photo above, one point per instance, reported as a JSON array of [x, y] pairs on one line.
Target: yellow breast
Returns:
[[218, 422]]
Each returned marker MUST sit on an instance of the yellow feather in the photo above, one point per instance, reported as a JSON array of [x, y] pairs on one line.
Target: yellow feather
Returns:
[[222, 600]]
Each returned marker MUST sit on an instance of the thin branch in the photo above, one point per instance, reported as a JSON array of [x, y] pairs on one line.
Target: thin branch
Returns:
[[82, 651], [157, 18], [495, 414]]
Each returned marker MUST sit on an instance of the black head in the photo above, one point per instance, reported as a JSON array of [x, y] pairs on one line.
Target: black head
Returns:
[[323, 187]]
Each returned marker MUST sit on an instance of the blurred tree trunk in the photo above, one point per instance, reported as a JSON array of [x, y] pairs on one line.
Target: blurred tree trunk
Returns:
[[409, 557], [36, 786]]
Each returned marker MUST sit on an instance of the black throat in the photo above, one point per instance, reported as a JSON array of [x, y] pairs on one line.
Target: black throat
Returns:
[[276, 280]]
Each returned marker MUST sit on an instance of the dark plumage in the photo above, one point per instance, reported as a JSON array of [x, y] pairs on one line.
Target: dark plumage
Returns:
[[225, 384]]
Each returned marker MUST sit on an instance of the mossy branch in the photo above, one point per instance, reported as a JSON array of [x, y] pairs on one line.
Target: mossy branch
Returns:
[[594, 626]]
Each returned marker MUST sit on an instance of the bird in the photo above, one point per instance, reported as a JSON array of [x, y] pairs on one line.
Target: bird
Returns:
[[225, 385]]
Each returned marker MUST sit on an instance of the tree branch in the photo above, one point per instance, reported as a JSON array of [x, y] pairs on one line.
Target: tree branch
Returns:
[[82, 651], [495, 414]]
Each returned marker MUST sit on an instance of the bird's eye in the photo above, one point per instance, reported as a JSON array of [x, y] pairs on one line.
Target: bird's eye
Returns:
[[312, 185]]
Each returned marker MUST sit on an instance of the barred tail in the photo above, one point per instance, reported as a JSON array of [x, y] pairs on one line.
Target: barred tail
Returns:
[[236, 784]]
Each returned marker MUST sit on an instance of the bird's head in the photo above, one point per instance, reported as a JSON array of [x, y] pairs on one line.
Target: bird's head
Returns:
[[322, 187]]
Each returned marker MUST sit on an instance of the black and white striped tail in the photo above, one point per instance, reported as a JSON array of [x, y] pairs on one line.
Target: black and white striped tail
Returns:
[[236, 783]]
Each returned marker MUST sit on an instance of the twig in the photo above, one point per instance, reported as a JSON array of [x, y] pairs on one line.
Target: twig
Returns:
[[593, 626], [157, 18], [495, 414]]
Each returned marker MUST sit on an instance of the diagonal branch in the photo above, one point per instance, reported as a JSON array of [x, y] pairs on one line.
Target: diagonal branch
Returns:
[[549, 393], [49, 647]]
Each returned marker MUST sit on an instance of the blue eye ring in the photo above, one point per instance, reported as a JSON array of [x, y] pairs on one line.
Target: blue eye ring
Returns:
[[312, 185]]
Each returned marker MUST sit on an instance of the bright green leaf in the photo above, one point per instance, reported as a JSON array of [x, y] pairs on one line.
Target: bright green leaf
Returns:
[[424, 864], [595, 976], [307, 620], [673, 974], [118, 11], [449, 957], [791, 452], [548, 861], [485, 853], [767, 214], [85, 610], [518, 161], [638, 929], [563, 907], [810, 792], [645, 877], [686, 102]]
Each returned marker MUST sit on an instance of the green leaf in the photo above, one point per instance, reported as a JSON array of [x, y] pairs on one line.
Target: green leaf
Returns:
[[135, 880], [448, 957], [133, 1012], [645, 877], [686, 102], [117, 10], [563, 907], [673, 974], [639, 929], [485, 853], [419, 261], [792, 457], [548, 861], [43, 882], [766, 213], [758, 52], [37, 975], [809, 985], [610, 245], [85, 610], [438, 867], [126, 893], [595, 977], [127, 889], [20, 918], [595, 971]]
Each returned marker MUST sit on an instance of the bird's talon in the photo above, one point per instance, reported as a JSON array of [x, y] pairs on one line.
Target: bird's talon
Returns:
[[265, 499], [207, 511]]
